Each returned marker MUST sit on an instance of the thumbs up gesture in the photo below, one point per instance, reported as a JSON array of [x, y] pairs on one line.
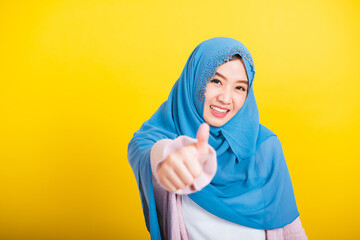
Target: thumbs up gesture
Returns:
[[181, 167]]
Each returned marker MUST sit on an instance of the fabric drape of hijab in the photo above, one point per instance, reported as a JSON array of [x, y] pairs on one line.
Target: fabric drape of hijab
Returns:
[[252, 185]]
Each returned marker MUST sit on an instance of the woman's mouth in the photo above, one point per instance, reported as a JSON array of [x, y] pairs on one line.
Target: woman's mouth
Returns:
[[218, 112]]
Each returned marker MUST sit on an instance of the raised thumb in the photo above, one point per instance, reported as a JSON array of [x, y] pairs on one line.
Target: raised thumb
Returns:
[[202, 136]]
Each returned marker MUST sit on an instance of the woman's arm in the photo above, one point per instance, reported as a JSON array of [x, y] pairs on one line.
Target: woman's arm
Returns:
[[292, 231]]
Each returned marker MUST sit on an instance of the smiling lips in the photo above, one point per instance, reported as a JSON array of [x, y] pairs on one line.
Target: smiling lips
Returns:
[[218, 111]]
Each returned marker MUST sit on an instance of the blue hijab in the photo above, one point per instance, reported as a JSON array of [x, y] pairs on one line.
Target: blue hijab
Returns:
[[252, 185]]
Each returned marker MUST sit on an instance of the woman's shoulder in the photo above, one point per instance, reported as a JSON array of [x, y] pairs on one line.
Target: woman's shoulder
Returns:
[[269, 146], [265, 135]]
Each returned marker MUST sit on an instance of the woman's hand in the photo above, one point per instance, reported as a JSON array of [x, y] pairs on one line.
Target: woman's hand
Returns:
[[181, 167]]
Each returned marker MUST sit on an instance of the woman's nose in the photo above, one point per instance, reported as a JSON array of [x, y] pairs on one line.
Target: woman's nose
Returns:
[[225, 96]]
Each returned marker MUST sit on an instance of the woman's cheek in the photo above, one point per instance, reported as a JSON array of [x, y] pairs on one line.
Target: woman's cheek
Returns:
[[240, 102]]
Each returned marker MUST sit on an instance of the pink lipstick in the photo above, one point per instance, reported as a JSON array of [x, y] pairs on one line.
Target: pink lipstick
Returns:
[[217, 113]]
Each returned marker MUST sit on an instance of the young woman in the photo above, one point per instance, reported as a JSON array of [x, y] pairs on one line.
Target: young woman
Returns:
[[206, 168]]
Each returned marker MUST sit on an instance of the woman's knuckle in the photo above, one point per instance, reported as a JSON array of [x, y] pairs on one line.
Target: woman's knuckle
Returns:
[[197, 172], [189, 181]]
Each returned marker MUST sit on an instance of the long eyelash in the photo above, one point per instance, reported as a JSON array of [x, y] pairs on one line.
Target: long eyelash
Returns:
[[243, 89], [215, 80]]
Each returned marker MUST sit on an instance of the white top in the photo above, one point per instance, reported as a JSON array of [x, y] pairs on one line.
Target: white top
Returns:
[[200, 224]]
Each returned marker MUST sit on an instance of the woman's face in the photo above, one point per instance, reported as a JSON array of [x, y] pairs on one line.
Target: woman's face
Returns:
[[225, 93]]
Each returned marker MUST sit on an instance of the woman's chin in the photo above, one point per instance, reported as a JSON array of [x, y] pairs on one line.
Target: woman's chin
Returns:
[[216, 122]]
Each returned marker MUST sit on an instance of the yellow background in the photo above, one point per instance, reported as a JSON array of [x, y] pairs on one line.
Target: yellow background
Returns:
[[78, 78]]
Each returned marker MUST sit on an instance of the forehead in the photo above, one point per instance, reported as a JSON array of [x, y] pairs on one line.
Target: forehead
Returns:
[[234, 69]]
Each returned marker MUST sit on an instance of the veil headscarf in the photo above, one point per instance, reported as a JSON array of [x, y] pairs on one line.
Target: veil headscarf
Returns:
[[252, 185]]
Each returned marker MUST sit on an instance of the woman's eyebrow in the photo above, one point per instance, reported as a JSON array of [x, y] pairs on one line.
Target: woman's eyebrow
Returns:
[[239, 81]]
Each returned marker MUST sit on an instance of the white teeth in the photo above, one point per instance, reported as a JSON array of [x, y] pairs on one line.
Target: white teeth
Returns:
[[218, 109]]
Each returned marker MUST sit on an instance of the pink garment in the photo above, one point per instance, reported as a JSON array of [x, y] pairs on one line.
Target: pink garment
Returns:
[[169, 204]]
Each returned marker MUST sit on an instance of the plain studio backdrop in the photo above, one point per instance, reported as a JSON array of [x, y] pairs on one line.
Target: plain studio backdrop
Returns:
[[78, 78]]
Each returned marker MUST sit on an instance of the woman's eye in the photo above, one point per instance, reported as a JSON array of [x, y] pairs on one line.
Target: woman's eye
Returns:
[[240, 88], [216, 81]]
